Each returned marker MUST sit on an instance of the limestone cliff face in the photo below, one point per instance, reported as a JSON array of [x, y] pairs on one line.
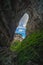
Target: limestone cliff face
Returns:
[[11, 12]]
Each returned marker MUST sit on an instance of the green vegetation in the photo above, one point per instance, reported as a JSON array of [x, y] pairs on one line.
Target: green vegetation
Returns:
[[15, 46], [29, 49]]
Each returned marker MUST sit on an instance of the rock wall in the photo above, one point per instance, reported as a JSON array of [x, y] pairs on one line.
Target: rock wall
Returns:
[[11, 12]]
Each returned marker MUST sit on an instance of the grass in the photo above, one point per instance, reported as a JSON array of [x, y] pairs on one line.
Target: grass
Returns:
[[29, 49]]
